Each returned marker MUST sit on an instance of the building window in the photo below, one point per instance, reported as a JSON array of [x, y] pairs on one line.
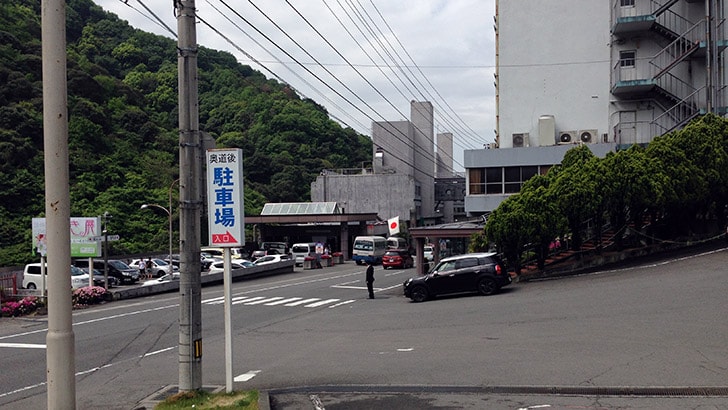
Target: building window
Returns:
[[528, 172], [512, 180], [626, 3], [626, 58], [476, 181], [508, 180], [494, 180]]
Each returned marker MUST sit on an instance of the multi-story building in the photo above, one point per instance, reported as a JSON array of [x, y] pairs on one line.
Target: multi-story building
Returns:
[[605, 73], [401, 181]]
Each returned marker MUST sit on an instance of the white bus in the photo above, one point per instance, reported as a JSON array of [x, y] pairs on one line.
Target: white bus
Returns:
[[395, 242], [369, 248]]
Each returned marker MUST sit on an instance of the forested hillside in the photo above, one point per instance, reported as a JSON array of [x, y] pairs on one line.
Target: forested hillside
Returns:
[[122, 101]]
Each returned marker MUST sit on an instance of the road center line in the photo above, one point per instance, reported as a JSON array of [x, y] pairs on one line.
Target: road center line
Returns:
[[23, 345]]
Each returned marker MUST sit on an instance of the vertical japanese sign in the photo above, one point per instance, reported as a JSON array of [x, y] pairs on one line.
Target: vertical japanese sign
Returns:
[[83, 231], [225, 197]]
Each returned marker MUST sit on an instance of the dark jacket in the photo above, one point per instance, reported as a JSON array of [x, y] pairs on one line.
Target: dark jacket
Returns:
[[370, 273]]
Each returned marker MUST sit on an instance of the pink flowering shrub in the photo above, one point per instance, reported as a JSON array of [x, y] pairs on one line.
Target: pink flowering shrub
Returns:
[[89, 295], [25, 306]]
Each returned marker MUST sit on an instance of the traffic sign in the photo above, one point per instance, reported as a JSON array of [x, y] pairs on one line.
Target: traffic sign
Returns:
[[109, 238]]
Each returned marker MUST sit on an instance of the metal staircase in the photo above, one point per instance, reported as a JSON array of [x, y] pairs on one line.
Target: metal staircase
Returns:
[[659, 77]]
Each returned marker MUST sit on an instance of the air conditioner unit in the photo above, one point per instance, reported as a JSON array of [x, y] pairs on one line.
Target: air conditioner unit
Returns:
[[520, 140], [588, 136], [567, 137]]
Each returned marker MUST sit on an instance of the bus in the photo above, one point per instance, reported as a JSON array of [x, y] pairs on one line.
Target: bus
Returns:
[[369, 249], [395, 242]]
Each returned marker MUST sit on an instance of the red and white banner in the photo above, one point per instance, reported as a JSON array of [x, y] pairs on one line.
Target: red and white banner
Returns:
[[393, 224]]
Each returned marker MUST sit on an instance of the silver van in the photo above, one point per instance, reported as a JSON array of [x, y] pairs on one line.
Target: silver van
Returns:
[[300, 250]]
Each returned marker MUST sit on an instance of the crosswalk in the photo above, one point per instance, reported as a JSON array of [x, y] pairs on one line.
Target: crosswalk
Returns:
[[281, 301]]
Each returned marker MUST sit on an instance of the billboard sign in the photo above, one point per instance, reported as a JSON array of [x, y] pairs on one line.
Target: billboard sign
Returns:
[[225, 197], [83, 231]]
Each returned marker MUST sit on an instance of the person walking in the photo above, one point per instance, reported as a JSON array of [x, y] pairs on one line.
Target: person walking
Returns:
[[149, 268], [142, 268], [370, 279]]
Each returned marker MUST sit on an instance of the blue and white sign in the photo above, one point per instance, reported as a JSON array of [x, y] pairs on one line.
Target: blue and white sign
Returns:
[[225, 197]]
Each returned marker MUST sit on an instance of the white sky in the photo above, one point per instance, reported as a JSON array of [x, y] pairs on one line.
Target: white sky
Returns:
[[450, 41]]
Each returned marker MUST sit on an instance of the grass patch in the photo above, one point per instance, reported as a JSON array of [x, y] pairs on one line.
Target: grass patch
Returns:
[[243, 400]]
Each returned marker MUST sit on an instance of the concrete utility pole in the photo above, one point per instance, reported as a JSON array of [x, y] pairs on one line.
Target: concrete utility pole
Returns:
[[60, 340], [190, 171]]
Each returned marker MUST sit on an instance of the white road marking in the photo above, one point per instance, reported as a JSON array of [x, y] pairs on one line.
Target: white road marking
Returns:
[[265, 300], [302, 302], [321, 303], [23, 345], [348, 287], [282, 301], [246, 376], [409, 349], [247, 300], [346, 302]]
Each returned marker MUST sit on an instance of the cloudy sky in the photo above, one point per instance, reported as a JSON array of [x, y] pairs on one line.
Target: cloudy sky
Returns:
[[364, 60]]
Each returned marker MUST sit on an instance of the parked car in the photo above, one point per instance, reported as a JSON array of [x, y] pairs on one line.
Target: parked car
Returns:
[[235, 253], [262, 252], [116, 268], [301, 250], [99, 278], [474, 272], [397, 258], [159, 268], [162, 279], [270, 259], [207, 259], [32, 277], [219, 266]]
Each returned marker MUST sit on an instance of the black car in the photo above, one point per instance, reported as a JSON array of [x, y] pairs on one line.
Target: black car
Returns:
[[99, 278], [116, 268], [474, 272]]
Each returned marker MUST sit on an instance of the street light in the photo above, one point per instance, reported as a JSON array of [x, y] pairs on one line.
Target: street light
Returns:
[[170, 269], [169, 215]]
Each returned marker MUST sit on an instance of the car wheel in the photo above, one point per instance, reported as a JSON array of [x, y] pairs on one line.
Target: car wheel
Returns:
[[31, 286], [419, 294], [487, 286]]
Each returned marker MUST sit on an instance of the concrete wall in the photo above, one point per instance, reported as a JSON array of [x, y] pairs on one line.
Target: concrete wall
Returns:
[[396, 141], [388, 195], [444, 154], [554, 59]]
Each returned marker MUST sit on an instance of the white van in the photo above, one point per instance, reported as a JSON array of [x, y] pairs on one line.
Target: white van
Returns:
[[235, 253], [32, 279], [301, 250]]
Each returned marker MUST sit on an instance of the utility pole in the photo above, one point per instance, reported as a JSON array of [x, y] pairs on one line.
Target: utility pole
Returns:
[[190, 167], [60, 339]]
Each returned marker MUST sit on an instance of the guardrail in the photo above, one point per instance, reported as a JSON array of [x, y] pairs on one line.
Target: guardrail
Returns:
[[206, 279]]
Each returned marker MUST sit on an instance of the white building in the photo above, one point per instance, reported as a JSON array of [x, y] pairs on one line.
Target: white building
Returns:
[[608, 73]]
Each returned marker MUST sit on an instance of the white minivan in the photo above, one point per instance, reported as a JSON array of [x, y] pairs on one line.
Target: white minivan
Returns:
[[32, 279], [300, 250]]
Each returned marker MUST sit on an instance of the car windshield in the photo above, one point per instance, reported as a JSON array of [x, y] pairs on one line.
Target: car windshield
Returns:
[[160, 262], [392, 253], [444, 266], [119, 265], [76, 271]]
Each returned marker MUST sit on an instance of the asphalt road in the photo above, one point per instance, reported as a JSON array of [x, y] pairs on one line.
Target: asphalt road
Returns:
[[313, 335]]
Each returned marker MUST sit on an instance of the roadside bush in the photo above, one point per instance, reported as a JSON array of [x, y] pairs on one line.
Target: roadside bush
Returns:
[[25, 306], [89, 295]]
